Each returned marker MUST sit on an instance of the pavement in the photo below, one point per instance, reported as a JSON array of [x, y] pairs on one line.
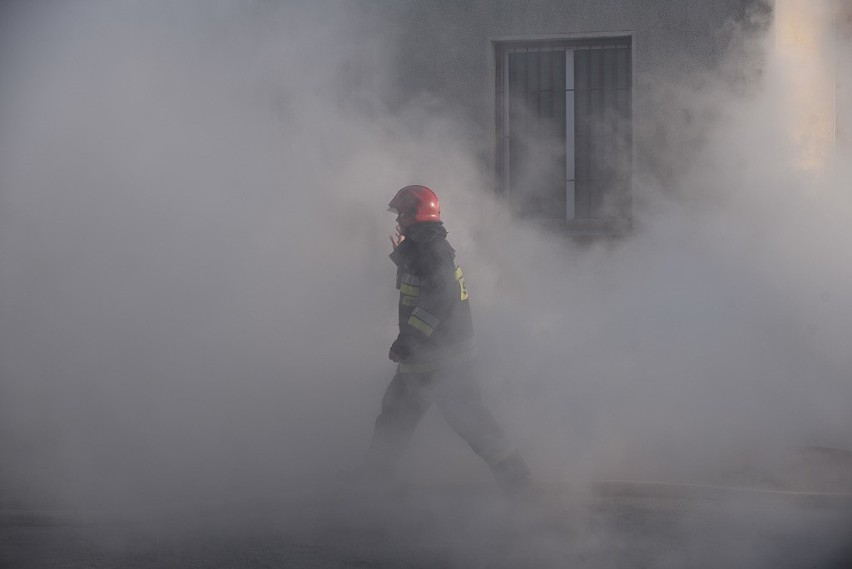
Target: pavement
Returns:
[[611, 524]]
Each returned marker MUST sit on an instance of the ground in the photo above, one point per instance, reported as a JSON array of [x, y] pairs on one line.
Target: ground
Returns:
[[613, 525]]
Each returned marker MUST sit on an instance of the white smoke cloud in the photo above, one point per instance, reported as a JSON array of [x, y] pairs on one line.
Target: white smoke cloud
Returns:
[[195, 299]]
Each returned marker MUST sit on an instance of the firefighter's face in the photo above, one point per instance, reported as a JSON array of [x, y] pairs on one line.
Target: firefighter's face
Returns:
[[399, 216]]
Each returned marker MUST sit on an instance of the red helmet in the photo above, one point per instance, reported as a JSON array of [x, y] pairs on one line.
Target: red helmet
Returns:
[[414, 204]]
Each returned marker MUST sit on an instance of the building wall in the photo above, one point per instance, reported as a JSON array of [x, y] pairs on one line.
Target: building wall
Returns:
[[446, 49]]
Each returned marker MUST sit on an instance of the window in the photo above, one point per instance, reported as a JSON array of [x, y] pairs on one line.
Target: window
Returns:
[[564, 129]]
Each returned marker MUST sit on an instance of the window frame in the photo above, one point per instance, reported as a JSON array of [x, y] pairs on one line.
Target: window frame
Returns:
[[500, 50]]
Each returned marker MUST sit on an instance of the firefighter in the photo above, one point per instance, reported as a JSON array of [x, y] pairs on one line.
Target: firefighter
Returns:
[[434, 351]]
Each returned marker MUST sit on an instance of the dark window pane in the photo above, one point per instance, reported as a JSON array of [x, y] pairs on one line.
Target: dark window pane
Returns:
[[544, 78], [559, 114], [623, 110], [623, 68], [596, 150], [581, 150], [609, 69], [517, 72], [532, 72], [517, 67], [545, 112], [581, 69], [557, 65], [557, 71], [596, 68]]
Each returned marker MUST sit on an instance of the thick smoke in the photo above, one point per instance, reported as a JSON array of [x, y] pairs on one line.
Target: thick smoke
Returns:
[[192, 262], [196, 295], [195, 300]]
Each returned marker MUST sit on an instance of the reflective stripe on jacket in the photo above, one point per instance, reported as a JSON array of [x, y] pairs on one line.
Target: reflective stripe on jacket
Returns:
[[434, 308]]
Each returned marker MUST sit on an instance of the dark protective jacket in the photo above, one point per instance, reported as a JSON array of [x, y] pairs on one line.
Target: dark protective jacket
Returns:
[[435, 324]]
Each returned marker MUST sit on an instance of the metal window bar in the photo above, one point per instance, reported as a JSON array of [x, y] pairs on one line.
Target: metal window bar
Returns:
[[570, 170]]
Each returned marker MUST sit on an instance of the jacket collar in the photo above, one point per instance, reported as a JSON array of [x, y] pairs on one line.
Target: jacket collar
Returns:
[[426, 232]]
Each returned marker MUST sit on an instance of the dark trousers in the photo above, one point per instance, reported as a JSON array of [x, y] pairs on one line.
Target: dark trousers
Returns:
[[456, 393]]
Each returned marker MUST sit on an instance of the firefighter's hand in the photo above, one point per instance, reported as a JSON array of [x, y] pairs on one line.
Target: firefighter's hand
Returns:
[[397, 238], [399, 350]]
